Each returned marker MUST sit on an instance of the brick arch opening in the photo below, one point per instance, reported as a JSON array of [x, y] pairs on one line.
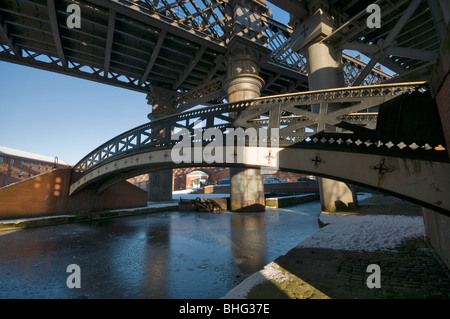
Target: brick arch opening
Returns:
[[215, 175], [196, 179]]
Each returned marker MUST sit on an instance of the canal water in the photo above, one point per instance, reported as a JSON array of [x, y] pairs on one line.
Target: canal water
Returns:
[[168, 255]]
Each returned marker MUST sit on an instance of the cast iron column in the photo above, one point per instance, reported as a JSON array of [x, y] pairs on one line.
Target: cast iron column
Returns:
[[247, 50]]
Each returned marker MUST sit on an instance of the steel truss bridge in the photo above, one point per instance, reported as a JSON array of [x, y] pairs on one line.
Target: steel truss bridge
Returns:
[[178, 48]]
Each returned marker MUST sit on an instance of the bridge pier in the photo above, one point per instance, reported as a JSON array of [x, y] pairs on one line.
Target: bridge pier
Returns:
[[243, 83], [160, 186], [246, 184], [324, 72], [159, 182], [247, 190]]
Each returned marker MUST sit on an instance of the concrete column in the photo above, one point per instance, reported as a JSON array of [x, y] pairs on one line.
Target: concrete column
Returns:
[[160, 186], [243, 83], [247, 190]]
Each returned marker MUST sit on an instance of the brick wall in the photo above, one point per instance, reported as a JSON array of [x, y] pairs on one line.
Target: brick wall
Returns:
[[278, 188], [35, 196], [47, 194], [215, 175]]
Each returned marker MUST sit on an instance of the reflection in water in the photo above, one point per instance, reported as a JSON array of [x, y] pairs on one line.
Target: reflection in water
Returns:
[[248, 236], [160, 255], [158, 260]]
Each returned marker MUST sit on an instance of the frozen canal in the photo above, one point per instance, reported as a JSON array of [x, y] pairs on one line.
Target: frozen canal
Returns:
[[166, 255]]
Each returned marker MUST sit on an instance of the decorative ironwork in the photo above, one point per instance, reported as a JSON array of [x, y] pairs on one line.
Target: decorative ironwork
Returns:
[[381, 168], [210, 91], [353, 99], [209, 16], [157, 134], [317, 161], [352, 69], [86, 71]]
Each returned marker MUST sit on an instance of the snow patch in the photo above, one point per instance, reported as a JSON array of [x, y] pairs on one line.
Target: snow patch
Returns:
[[20, 220], [364, 232], [28, 155]]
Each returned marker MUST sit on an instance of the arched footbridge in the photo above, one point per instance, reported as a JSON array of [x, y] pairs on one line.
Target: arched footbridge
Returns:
[[387, 137]]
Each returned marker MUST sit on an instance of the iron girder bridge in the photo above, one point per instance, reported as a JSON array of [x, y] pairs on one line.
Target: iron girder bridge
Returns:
[[176, 47]]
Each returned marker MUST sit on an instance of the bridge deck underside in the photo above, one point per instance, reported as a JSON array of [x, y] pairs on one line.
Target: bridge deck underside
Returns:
[[123, 45], [135, 45]]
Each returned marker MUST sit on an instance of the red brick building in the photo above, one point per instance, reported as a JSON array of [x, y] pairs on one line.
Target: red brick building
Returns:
[[16, 166]]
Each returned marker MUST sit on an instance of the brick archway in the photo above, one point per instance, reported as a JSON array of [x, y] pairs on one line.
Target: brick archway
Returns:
[[215, 175]]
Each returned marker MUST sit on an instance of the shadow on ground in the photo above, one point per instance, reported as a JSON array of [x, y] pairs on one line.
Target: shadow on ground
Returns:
[[410, 271]]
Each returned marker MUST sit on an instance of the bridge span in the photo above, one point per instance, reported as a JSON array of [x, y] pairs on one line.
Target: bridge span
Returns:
[[420, 181], [382, 158]]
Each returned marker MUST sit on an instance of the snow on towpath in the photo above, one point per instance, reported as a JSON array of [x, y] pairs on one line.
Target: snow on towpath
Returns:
[[347, 232], [364, 232]]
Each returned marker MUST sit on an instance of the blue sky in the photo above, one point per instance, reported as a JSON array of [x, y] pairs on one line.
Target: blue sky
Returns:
[[58, 115]]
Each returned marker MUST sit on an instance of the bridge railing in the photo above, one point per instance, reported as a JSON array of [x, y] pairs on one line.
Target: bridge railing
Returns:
[[287, 112]]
